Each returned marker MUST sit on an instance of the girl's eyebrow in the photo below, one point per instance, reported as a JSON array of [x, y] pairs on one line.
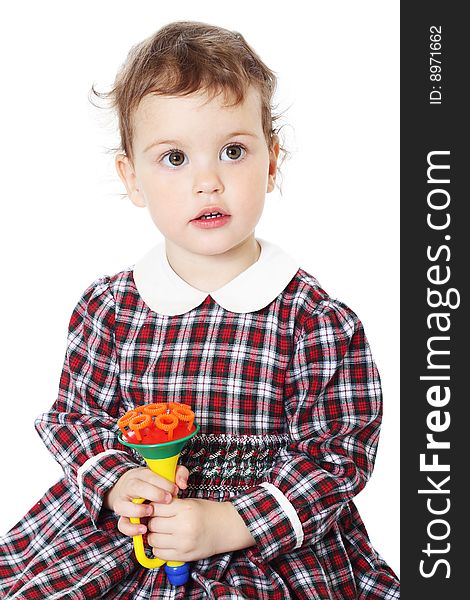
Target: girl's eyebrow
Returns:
[[179, 143]]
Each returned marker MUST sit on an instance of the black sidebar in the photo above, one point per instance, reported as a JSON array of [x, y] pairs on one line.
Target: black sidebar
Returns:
[[435, 332]]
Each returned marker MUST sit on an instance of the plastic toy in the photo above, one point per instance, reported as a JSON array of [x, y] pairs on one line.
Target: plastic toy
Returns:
[[159, 432]]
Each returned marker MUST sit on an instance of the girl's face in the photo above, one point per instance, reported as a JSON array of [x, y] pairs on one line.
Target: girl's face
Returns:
[[192, 155]]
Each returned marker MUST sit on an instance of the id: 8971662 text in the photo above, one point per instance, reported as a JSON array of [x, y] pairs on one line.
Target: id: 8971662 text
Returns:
[[435, 68]]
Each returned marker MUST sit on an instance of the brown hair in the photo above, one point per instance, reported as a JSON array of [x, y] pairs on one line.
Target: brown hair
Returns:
[[188, 56]]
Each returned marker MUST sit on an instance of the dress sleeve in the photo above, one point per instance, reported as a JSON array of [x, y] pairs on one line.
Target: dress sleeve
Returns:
[[80, 428], [333, 403]]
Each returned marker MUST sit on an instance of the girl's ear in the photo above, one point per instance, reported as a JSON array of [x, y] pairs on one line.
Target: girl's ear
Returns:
[[273, 156], [126, 172]]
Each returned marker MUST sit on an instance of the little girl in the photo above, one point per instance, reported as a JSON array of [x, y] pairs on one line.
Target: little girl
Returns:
[[279, 374]]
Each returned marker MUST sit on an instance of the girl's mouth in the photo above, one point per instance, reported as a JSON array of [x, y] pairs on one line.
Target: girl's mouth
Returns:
[[213, 215], [213, 221]]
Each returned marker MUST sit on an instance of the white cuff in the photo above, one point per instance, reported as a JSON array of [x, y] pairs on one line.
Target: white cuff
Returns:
[[289, 510], [90, 463]]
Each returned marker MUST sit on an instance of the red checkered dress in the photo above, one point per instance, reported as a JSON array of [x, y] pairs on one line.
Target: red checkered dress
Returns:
[[289, 403]]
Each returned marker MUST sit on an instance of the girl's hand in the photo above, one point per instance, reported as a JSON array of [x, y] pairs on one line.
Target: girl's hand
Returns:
[[141, 483], [191, 528]]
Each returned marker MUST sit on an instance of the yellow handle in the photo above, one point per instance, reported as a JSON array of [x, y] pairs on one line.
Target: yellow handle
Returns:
[[144, 560], [166, 467]]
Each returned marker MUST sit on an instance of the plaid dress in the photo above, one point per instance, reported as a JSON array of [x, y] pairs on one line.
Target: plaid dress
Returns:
[[288, 399]]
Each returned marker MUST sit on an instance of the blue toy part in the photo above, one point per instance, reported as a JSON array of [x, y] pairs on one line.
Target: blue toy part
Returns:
[[178, 575]]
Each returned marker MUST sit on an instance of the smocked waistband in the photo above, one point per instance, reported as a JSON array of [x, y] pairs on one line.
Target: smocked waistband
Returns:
[[227, 464]]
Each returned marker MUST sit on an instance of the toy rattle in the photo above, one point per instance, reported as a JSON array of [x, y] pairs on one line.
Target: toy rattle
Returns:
[[159, 431]]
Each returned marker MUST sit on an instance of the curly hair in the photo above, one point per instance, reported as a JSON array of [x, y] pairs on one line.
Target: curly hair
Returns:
[[184, 57]]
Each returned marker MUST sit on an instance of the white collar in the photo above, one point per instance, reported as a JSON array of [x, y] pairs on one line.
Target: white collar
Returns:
[[165, 292]]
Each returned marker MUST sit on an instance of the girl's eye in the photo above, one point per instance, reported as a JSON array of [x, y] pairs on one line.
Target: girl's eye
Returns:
[[234, 151], [176, 157]]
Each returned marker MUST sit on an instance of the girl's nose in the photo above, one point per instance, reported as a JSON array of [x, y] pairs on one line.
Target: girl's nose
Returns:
[[208, 182]]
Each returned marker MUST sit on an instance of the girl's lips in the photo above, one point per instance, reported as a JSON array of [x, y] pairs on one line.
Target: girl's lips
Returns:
[[211, 223], [210, 209]]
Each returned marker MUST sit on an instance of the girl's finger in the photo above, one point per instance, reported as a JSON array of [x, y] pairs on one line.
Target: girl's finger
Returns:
[[143, 489], [161, 540], [182, 475], [165, 510], [166, 553], [131, 529], [158, 481], [125, 508], [161, 525]]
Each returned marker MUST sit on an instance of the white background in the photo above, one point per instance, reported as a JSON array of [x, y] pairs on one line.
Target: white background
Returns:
[[64, 223]]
